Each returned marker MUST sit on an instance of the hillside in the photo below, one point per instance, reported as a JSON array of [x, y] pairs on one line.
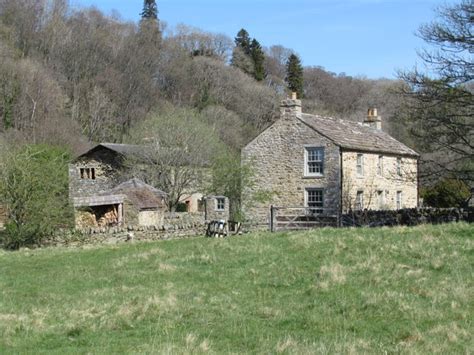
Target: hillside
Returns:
[[75, 76], [325, 291]]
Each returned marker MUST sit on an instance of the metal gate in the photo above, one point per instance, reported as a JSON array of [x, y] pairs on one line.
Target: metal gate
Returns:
[[299, 218]]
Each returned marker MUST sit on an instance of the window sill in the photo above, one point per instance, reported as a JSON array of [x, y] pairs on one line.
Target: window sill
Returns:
[[313, 176]]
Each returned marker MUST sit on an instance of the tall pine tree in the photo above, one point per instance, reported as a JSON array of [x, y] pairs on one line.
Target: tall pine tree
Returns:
[[241, 55], [243, 41], [150, 10], [294, 75], [258, 58]]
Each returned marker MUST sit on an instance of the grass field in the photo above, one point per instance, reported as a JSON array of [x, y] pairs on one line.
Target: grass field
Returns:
[[330, 291]]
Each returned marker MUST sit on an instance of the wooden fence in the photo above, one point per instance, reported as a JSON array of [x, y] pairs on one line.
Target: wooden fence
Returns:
[[298, 218]]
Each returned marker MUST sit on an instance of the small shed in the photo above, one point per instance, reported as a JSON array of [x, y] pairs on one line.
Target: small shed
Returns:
[[144, 204], [217, 208]]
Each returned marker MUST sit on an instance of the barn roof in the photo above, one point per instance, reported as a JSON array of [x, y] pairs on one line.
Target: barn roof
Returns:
[[142, 195], [355, 136], [122, 149]]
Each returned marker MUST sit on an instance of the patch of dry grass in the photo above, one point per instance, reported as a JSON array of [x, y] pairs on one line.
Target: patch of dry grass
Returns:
[[327, 291]]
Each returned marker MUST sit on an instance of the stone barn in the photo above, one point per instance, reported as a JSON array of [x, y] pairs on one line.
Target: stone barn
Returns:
[[101, 169], [130, 203], [328, 165]]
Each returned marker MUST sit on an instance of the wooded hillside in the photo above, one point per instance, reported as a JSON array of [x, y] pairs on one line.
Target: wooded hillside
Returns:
[[75, 76]]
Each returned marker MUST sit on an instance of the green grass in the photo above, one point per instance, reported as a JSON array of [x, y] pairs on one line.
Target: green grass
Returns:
[[330, 291]]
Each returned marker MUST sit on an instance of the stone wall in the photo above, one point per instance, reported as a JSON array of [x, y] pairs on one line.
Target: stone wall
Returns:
[[277, 157], [406, 217], [106, 164], [211, 211], [379, 187], [176, 225]]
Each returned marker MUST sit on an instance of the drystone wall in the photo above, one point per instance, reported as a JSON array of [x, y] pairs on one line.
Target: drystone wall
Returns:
[[406, 217], [175, 226]]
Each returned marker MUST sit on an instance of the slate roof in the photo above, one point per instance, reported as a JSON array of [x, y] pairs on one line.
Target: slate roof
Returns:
[[142, 195], [356, 136], [123, 149]]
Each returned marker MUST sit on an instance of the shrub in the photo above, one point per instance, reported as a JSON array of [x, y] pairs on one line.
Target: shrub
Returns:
[[446, 193], [34, 188]]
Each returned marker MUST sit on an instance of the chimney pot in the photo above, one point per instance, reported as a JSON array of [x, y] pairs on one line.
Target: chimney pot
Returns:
[[294, 96]]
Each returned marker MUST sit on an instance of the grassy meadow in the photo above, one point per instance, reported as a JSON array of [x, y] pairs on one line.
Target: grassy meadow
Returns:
[[381, 290]]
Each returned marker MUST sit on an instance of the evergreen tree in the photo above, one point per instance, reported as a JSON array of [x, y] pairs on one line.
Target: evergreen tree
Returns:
[[294, 75], [243, 41], [150, 10], [258, 58], [241, 55]]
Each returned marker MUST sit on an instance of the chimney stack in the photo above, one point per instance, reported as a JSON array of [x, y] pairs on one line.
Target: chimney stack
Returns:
[[373, 120], [290, 107]]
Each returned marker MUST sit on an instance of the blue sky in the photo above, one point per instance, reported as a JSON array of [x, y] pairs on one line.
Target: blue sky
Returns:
[[373, 38]]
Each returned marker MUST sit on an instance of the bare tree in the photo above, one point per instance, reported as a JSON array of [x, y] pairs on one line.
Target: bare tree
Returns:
[[440, 105], [178, 148]]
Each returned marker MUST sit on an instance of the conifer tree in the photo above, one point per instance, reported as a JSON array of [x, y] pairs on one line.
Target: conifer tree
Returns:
[[241, 55], [243, 41], [294, 75], [150, 10], [258, 58]]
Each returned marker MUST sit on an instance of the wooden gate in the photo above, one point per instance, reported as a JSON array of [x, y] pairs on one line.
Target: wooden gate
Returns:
[[299, 218]]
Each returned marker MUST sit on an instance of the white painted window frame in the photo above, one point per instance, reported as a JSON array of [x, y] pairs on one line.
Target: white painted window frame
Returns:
[[306, 161], [217, 207], [380, 165], [399, 200], [360, 164], [381, 198], [306, 197], [359, 202]]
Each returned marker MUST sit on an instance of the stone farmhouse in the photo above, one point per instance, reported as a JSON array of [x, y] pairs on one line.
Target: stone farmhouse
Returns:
[[102, 198], [328, 165]]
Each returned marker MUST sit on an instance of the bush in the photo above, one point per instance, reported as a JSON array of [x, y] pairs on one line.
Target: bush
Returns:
[[34, 188], [446, 193]]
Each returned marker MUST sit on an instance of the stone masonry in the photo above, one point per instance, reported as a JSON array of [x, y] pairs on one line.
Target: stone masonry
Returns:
[[107, 167], [379, 186], [214, 211], [278, 158]]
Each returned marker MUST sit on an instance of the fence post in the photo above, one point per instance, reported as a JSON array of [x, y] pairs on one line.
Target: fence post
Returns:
[[272, 215]]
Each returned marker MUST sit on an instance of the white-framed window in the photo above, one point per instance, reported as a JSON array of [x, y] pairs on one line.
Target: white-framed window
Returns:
[[399, 166], [220, 204], [381, 199], [380, 165], [360, 164], [399, 200], [315, 200], [359, 202], [87, 173], [314, 161]]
